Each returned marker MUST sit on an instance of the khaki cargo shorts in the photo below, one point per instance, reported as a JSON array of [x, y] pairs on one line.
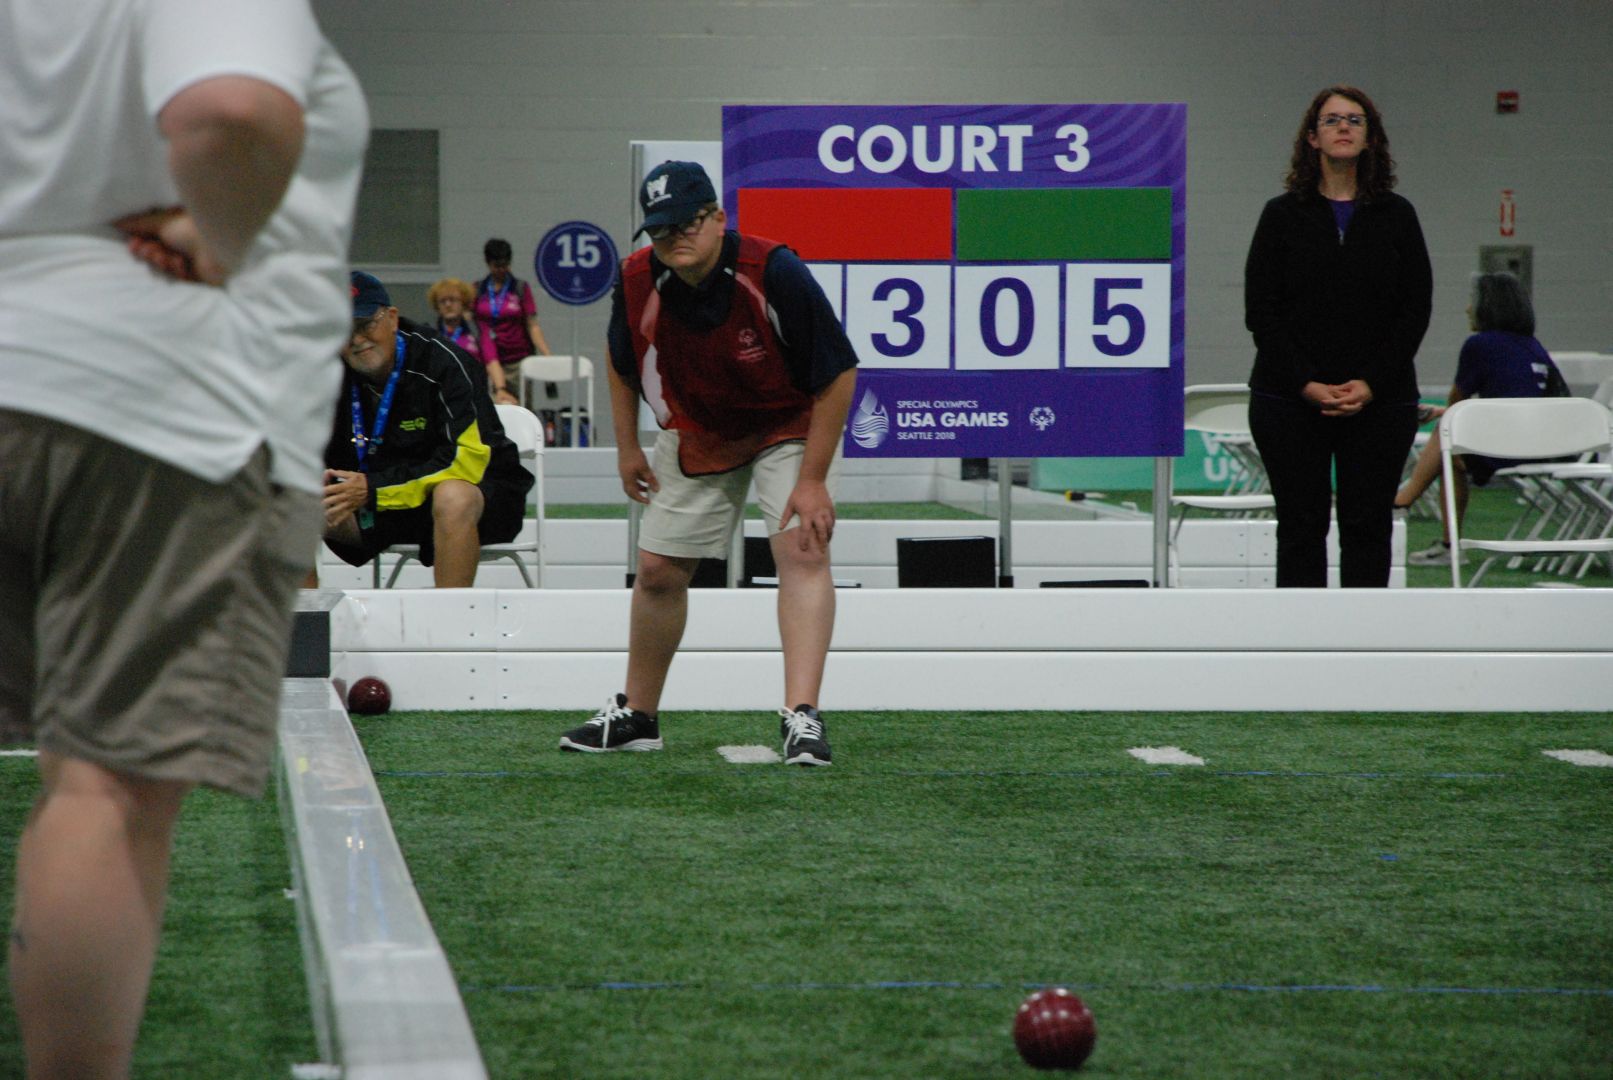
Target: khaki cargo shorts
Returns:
[[693, 516], [145, 614]]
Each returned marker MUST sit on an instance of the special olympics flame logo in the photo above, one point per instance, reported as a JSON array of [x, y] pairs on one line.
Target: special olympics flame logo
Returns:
[[1042, 417], [871, 423]]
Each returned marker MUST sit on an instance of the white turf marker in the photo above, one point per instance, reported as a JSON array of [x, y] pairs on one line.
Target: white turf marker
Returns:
[[749, 755], [19, 753], [1164, 755], [1594, 758]]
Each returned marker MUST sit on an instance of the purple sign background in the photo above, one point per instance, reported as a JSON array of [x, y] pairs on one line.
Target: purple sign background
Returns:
[[1068, 412]]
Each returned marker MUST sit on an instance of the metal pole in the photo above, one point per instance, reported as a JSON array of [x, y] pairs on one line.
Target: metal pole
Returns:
[[633, 512], [576, 386], [1005, 523], [1162, 522], [736, 551]]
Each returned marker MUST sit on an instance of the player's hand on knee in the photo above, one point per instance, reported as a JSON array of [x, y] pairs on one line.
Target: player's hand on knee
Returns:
[[811, 503]]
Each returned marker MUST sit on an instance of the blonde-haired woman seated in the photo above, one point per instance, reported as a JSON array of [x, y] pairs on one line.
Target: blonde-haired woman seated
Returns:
[[451, 299]]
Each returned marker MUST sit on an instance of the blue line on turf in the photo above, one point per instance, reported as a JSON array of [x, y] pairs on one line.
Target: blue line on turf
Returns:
[[949, 774], [1181, 988]]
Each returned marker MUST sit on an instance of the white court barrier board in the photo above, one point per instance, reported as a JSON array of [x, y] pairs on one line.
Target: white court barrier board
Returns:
[[385, 1002]]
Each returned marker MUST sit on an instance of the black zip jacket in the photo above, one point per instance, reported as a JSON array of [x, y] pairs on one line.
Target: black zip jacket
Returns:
[[442, 426], [1326, 309]]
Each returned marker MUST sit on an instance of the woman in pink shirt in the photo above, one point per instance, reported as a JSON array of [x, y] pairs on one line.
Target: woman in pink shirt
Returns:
[[504, 305], [451, 299]]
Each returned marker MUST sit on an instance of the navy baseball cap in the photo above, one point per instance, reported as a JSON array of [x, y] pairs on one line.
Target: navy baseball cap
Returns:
[[369, 295], [673, 194]]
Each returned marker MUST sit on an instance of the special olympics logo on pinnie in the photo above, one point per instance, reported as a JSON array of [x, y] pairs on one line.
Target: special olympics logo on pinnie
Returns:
[[749, 349], [1042, 417]]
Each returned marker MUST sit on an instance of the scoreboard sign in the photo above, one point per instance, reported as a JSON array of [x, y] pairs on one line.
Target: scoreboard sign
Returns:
[[1011, 276]]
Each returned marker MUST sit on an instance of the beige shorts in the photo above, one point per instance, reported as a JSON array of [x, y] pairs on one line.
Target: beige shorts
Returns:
[[145, 614], [693, 516]]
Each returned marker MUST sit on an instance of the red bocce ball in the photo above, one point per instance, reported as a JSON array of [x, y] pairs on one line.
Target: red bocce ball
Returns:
[[369, 696], [1054, 1030]]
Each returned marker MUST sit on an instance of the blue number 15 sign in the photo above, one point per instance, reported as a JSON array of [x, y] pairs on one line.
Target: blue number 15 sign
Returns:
[[575, 262]]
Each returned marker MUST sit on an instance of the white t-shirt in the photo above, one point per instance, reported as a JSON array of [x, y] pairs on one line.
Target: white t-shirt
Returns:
[[195, 376]]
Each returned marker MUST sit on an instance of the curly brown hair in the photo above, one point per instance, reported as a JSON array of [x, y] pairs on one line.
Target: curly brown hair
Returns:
[[1374, 169]]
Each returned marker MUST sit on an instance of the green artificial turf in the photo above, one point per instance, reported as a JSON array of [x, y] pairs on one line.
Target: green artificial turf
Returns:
[[1330, 895], [228, 997]]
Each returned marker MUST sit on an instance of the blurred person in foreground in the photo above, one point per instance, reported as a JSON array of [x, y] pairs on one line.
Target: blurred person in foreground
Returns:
[[191, 165], [733, 344]]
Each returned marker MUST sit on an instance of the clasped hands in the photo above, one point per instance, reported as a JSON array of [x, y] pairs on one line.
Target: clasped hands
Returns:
[[1338, 399]]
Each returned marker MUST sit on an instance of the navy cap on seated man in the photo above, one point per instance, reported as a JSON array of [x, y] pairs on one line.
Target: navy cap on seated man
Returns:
[[417, 454]]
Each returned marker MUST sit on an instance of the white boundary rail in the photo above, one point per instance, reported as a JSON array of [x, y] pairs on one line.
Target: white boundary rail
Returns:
[[385, 1003], [1391, 650]]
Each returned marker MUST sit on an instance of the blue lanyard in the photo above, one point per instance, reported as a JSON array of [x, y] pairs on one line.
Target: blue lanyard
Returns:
[[495, 300], [457, 333], [362, 443]]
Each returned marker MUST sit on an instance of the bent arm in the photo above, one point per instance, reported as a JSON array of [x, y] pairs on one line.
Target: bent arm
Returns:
[[623, 409], [234, 143], [540, 346], [829, 411]]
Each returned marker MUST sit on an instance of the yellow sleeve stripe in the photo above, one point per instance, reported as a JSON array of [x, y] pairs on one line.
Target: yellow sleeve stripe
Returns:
[[469, 464]]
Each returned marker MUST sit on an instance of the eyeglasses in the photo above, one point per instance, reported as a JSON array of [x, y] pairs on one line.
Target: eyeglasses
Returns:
[[1354, 119], [364, 326], [688, 228]]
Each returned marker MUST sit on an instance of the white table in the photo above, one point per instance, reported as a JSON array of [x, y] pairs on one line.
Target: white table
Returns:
[[1584, 371]]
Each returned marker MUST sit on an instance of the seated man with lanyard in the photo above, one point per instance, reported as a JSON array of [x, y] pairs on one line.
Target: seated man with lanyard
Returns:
[[417, 455]]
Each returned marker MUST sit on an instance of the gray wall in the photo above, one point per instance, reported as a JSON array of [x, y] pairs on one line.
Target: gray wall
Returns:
[[537, 102]]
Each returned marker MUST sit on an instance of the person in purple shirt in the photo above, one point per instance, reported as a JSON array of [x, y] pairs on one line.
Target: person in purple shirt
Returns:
[[1502, 360], [504, 305]]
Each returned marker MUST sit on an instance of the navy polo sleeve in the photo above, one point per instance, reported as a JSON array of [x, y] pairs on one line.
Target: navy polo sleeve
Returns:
[[617, 338], [815, 346]]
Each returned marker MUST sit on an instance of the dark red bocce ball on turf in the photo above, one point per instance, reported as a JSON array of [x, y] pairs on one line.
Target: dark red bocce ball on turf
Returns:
[[369, 696], [1054, 1029]]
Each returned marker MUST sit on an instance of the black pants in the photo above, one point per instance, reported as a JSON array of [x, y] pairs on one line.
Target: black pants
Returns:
[[1303, 452]]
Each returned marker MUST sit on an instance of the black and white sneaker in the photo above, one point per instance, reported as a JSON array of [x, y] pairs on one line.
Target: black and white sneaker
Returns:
[[615, 727], [802, 731], [1436, 554]]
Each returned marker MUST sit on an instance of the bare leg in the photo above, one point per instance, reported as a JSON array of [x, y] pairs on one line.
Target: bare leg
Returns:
[[806, 615], [456, 508], [92, 880], [1423, 473], [660, 611]]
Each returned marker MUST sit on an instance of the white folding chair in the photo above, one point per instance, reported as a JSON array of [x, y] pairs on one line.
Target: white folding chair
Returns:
[[1221, 411], [536, 370], [1589, 485], [526, 432], [1521, 428]]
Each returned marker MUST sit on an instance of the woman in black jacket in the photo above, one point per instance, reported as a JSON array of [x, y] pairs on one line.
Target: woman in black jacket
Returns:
[[1337, 292]]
